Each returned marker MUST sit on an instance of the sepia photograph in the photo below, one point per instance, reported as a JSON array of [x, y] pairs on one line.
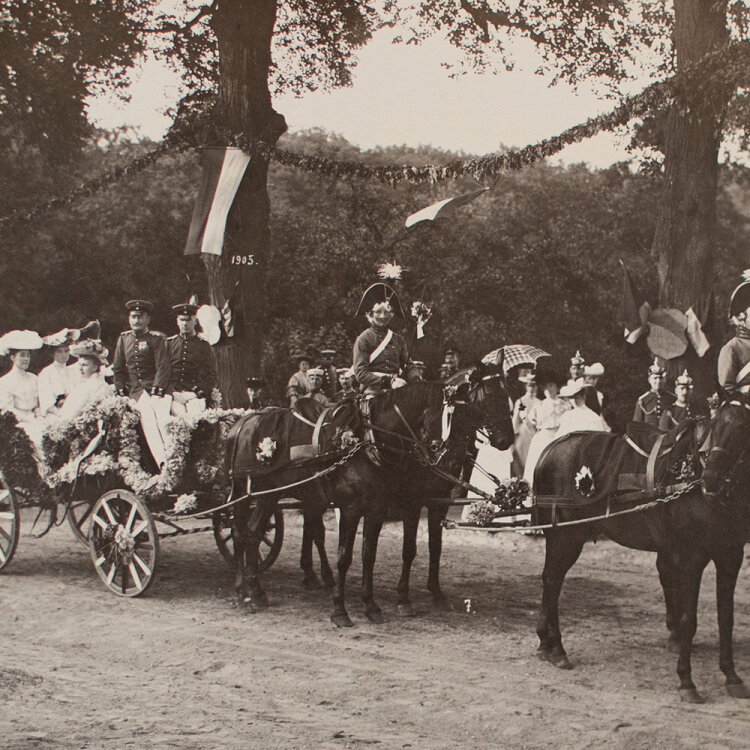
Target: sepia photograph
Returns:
[[374, 374]]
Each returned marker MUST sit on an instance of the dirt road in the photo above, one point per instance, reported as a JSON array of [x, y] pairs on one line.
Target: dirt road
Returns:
[[183, 668]]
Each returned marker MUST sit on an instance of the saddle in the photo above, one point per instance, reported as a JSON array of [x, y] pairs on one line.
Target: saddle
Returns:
[[586, 467]]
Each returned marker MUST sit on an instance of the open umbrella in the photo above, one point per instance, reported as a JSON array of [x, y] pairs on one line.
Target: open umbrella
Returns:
[[511, 355]]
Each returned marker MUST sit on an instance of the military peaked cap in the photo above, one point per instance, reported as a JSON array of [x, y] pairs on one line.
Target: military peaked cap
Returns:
[[139, 305]]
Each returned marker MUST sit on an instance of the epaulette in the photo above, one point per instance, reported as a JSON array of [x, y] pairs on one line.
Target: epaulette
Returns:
[[169, 338], [124, 333], [158, 333]]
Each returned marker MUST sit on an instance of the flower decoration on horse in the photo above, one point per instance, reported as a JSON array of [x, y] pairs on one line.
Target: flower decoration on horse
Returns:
[[266, 449]]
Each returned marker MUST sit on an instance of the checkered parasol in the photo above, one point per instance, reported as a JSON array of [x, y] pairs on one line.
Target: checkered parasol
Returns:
[[514, 354]]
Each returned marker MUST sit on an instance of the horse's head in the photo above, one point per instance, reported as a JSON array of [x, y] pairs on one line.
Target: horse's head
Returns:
[[489, 404], [730, 439]]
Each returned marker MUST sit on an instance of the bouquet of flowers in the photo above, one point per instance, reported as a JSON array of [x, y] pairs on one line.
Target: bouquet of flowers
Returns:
[[511, 494], [421, 312], [481, 513]]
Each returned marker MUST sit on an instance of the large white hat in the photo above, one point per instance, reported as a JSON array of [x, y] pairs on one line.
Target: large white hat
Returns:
[[571, 389], [596, 370], [20, 340], [91, 348]]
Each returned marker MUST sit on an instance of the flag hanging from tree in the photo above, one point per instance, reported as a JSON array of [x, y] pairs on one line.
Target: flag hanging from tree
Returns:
[[223, 169], [634, 311], [434, 210]]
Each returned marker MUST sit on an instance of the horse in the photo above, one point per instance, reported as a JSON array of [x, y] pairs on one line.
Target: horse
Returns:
[[488, 409], [360, 486], [690, 528]]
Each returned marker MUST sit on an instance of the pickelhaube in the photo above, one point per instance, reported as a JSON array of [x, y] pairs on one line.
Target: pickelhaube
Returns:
[[377, 293], [684, 379], [656, 368], [577, 360]]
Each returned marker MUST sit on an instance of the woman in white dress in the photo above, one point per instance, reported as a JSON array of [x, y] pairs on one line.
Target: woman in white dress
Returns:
[[545, 418], [55, 380], [523, 430], [579, 418], [91, 387], [19, 390]]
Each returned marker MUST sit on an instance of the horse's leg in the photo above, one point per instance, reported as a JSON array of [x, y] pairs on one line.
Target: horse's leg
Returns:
[[408, 553], [240, 540], [692, 564], [374, 518], [728, 563], [348, 523], [309, 579], [319, 537], [562, 550], [666, 564], [435, 516], [255, 529]]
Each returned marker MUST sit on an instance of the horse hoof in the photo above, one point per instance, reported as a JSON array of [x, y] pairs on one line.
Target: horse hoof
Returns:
[[311, 582], [441, 604], [691, 695], [738, 690], [405, 610], [260, 600], [560, 661], [375, 616], [246, 605], [341, 620]]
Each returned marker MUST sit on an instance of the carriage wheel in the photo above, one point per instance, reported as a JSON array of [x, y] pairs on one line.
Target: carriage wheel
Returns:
[[10, 522], [270, 543], [123, 542]]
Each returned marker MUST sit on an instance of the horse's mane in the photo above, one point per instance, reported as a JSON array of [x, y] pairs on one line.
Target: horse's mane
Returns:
[[422, 392]]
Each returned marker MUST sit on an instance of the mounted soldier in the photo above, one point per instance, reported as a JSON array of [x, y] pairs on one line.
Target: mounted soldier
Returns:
[[733, 366], [380, 354]]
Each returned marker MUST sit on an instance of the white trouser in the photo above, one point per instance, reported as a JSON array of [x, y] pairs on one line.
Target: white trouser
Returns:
[[154, 417], [192, 407]]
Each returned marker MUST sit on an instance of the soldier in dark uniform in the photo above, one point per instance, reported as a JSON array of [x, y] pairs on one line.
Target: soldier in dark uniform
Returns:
[[380, 356], [255, 386], [192, 365], [316, 375], [141, 369], [681, 408], [451, 360], [330, 376], [652, 404], [733, 366]]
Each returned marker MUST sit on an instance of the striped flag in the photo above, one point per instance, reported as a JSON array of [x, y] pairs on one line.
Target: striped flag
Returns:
[[223, 169], [227, 319]]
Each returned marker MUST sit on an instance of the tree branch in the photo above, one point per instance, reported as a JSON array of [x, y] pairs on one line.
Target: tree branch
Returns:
[[171, 27], [483, 16]]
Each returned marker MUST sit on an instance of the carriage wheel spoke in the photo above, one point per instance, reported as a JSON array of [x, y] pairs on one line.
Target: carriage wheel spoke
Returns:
[[134, 575], [5, 493], [108, 511], [4, 533], [3, 556], [268, 542], [140, 528], [6, 516], [131, 518], [141, 564], [111, 574], [100, 521], [100, 561]]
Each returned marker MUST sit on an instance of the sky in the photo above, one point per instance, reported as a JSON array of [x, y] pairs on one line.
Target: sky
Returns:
[[402, 96]]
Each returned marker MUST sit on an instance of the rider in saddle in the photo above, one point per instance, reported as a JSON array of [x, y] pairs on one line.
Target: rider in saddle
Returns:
[[733, 367], [652, 404], [681, 409], [380, 355]]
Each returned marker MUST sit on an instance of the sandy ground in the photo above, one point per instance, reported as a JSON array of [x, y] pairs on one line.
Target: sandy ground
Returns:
[[183, 668]]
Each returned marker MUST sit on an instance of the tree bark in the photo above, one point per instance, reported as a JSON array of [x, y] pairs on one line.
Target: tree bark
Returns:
[[684, 241], [244, 32]]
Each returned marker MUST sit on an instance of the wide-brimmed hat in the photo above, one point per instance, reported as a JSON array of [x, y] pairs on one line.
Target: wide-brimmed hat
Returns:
[[378, 293], [91, 348], [255, 381], [526, 379], [20, 341], [140, 305], [594, 371], [571, 389], [92, 330]]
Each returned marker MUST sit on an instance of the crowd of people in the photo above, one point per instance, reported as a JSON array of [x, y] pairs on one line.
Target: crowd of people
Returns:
[[176, 377]]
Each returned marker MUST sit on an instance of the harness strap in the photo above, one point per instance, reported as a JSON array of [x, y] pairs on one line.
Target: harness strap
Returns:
[[638, 450], [408, 426], [318, 428], [651, 464], [301, 418]]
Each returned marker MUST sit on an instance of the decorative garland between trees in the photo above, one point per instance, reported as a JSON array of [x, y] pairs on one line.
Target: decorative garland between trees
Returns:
[[727, 66]]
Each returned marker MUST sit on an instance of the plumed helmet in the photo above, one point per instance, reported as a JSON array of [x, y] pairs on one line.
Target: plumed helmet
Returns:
[[656, 368], [378, 293], [684, 379], [577, 359], [740, 299]]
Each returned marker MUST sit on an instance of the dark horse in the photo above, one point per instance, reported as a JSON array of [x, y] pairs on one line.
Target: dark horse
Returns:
[[360, 487], [686, 532]]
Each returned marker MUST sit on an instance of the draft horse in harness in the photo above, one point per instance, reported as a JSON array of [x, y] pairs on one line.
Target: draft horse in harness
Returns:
[[359, 486], [701, 521]]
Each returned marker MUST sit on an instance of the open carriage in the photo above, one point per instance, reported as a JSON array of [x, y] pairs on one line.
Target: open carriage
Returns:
[[94, 474]]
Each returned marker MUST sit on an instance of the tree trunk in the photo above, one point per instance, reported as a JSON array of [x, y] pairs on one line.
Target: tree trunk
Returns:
[[685, 237], [244, 31]]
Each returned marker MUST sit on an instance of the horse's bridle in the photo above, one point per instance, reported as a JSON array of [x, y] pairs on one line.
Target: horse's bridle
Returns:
[[736, 461]]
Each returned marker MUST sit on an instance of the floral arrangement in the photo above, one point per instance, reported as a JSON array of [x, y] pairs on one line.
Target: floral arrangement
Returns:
[[266, 449], [390, 271], [481, 513], [185, 504]]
